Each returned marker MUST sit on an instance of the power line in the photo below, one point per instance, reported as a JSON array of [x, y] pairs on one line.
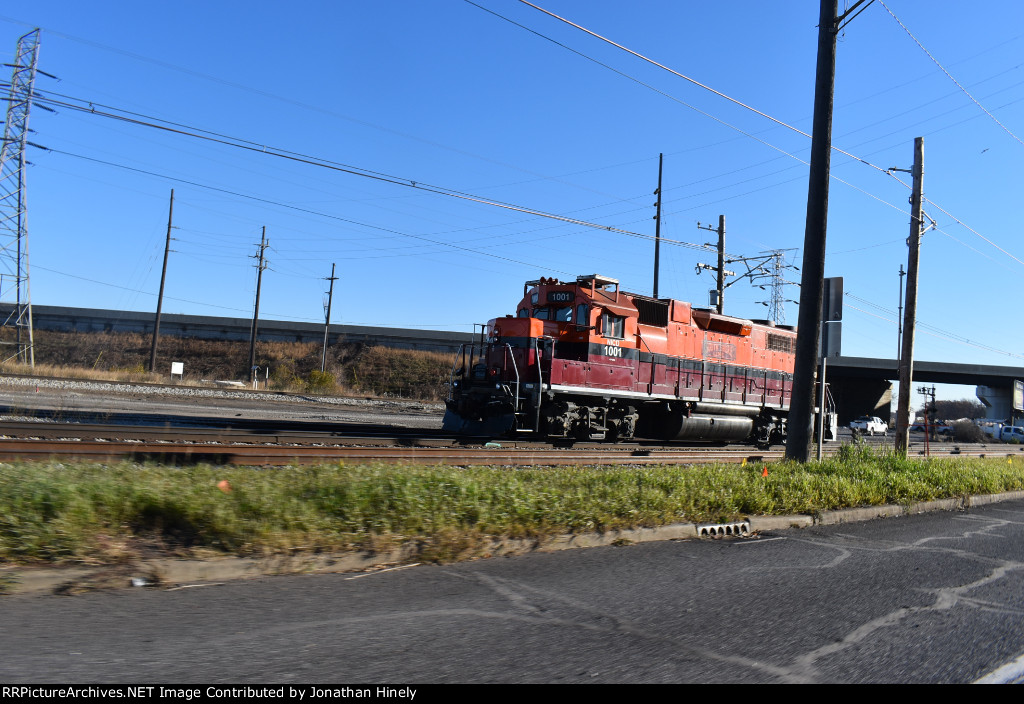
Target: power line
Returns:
[[932, 330], [971, 229], [741, 104], [348, 169], [948, 74], [267, 94], [413, 184], [227, 140], [135, 290], [199, 133], [303, 210], [696, 83]]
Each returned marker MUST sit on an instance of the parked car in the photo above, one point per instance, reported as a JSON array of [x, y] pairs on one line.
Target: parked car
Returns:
[[991, 429], [870, 425], [933, 428], [1011, 433]]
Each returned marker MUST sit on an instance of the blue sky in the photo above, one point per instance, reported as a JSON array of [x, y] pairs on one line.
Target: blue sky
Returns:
[[447, 94]]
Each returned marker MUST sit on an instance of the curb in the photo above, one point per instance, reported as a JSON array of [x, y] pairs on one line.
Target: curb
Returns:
[[170, 574]]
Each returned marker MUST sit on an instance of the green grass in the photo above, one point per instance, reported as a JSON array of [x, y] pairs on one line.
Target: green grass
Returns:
[[87, 512]]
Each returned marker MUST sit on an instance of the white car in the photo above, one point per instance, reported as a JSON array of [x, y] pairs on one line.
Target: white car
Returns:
[[1011, 433], [869, 425]]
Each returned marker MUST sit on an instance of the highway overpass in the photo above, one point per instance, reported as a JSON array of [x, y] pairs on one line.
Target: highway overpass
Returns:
[[863, 385], [65, 319]]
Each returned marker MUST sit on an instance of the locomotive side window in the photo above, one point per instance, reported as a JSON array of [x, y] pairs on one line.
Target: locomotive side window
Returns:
[[581, 314], [613, 325], [524, 313]]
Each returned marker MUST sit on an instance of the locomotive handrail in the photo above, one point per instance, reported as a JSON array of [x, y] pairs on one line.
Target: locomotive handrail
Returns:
[[515, 368], [540, 376], [540, 384], [451, 376], [650, 385]]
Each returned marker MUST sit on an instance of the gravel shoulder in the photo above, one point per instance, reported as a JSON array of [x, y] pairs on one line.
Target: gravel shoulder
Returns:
[[20, 397]]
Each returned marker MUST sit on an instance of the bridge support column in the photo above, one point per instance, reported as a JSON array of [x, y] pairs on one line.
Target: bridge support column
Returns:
[[861, 397]]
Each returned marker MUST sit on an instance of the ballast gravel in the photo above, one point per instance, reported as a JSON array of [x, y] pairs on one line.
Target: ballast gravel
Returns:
[[157, 390], [23, 394]]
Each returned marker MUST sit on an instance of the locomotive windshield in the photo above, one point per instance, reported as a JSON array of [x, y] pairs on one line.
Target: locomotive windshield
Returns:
[[563, 314]]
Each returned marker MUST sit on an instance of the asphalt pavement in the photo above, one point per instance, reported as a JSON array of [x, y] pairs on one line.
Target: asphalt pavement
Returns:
[[932, 598]]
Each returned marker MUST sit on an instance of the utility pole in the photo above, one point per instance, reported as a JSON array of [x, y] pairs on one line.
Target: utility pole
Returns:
[[910, 312], [721, 263], [799, 433], [657, 226], [899, 319], [721, 272], [327, 322], [256, 311], [160, 296]]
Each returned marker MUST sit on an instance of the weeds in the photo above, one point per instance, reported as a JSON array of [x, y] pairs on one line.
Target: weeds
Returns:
[[7, 583], [96, 513], [351, 368]]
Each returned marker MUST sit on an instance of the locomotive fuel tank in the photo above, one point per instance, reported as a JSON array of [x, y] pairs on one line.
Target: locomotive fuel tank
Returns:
[[702, 422]]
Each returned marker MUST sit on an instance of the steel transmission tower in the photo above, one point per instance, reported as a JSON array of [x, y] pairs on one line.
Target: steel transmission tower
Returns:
[[777, 303], [13, 202]]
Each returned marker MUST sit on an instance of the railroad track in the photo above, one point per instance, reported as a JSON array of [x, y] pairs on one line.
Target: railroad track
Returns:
[[248, 432], [265, 445], [187, 453]]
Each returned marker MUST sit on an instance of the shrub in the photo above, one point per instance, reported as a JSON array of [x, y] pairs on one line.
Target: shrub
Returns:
[[966, 431], [319, 382]]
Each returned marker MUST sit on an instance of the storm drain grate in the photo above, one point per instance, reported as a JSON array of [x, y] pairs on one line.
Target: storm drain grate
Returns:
[[720, 529]]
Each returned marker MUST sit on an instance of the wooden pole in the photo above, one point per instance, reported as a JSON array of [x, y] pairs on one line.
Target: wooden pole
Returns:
[[910, 310], [163, 279]]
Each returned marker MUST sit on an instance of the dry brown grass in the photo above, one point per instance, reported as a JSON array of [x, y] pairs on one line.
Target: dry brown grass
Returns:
[[352, 368], [404, 373]]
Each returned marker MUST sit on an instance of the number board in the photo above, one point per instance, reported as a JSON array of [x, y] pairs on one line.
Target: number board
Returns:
[[561, 296]]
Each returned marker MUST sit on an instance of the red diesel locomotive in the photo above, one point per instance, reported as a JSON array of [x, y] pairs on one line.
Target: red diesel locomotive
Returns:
[[583, 360]]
